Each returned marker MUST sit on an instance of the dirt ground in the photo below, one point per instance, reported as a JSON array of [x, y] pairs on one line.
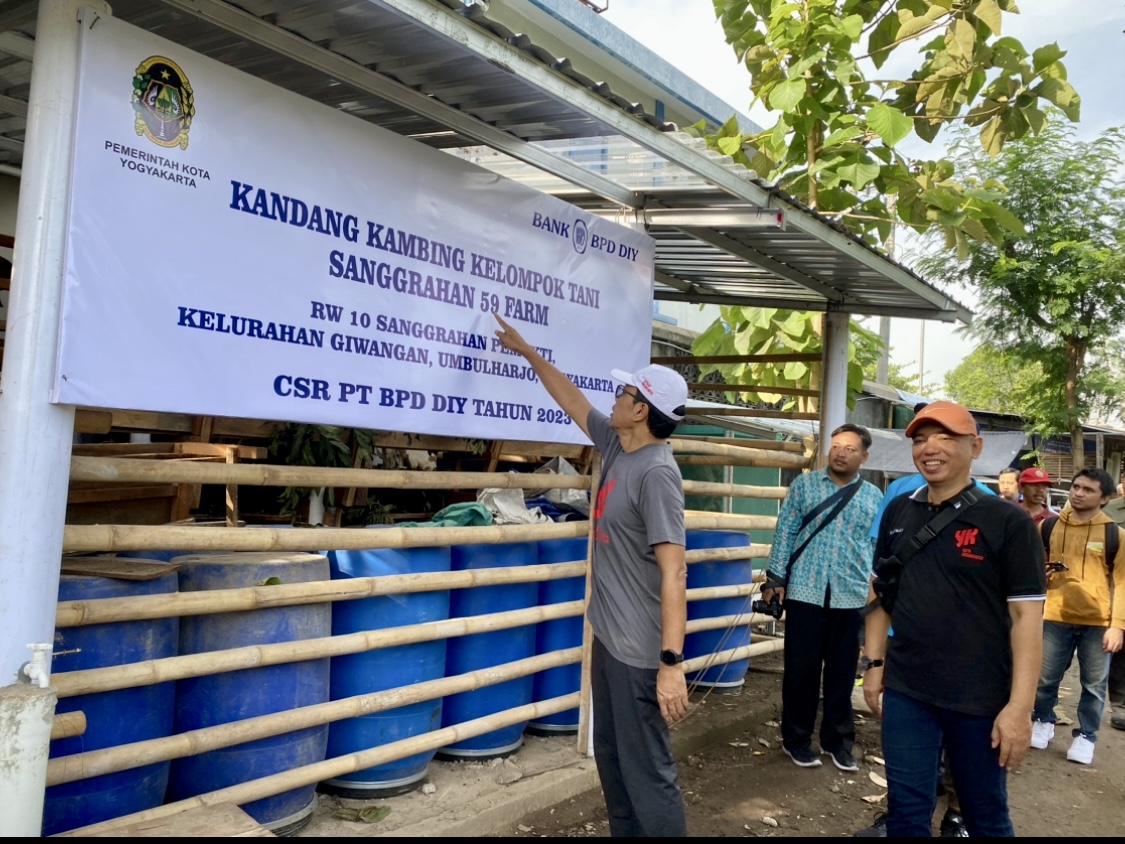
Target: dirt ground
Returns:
[[745, 786]]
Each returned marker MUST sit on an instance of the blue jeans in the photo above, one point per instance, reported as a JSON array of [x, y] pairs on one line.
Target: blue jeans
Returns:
[[913, 735], [1060, 643]]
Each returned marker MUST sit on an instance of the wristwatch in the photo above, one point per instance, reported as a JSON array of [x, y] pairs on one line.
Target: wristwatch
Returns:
[[671, 657], [875, 663]]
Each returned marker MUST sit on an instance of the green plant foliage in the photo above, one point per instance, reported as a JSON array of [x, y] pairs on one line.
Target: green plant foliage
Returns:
[[753, 331], [1053, 297], [319, 445], [835, 141]]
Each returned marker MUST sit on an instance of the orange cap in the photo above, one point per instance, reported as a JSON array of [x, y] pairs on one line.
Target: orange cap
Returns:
[[953, 417]]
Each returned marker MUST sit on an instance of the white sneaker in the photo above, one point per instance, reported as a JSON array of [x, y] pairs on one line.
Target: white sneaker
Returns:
[[1081, 751], [1041, 733]]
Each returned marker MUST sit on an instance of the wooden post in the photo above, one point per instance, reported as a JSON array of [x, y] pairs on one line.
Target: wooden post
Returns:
[[585, 715]]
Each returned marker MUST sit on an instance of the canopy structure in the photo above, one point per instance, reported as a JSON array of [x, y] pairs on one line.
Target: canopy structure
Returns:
[[448, 75]]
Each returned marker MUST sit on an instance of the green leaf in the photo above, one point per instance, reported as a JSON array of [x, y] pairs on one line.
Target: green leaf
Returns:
[[960, 39], [786, 95], [842, 135], [852, 26], [890, 124], [858, 172], [1045, 56], [1004, 217], [991, 137], [988, 13], [730, 145], [795, 370], [883, 37], [1061, 93]]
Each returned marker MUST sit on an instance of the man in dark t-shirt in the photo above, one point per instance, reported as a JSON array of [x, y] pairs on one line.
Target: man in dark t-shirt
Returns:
[[638, 602], [962, 665]]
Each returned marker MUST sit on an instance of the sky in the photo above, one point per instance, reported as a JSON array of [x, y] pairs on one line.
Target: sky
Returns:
[[686, 34]]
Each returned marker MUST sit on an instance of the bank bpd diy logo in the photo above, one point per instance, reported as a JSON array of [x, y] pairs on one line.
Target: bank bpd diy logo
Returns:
[[163, 102]]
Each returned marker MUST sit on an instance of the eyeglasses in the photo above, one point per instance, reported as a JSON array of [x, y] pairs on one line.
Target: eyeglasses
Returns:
[[636, 395], [620, 391]]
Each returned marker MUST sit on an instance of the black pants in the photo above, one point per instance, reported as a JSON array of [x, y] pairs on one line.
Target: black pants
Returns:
[[1116, 694], [633, 751], [819, 642]]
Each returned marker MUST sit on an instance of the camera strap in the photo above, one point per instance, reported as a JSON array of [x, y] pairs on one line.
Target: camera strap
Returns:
[[840, 498]]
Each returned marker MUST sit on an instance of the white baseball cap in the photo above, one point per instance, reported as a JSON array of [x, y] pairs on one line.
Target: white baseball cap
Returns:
[[663, 388]]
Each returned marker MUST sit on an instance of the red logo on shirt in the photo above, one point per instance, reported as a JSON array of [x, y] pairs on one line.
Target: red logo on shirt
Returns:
[[599, 508], [966, 540]]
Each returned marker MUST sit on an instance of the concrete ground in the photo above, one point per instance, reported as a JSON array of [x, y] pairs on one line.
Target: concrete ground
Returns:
[[485, 798]]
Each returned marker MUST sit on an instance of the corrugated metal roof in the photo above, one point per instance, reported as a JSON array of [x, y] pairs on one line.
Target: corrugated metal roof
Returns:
[[452, 77]]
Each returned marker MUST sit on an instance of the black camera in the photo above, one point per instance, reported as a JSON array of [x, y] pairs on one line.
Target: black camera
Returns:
[[771, 607]]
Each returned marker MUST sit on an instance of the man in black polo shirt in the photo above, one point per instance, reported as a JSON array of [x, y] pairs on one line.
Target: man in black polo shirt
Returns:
[[963, 663]]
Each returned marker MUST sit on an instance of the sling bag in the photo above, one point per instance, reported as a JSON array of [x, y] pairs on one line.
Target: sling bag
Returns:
[[840, 498], [888, 570]]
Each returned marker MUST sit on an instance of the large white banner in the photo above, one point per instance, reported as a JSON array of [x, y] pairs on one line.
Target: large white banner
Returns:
[[238, 250]]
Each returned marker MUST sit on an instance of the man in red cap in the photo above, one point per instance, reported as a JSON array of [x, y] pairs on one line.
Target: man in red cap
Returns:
[[1035, 487], [966, 601]]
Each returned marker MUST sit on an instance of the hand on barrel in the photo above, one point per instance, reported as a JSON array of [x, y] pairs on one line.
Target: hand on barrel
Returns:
[[671, 693]]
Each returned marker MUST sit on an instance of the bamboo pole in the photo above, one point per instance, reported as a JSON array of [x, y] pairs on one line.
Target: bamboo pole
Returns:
[[109, 760], [173, 604], [339, 766], [103, 538], [751, 411], [712, 387], [779, 357], [752, 650], [734, 490], [720, 622], [705, 593], [68, 725], [168, 604], [767, 445], [95, 538], [783, 458], [792, 461], [713, 555], [152, 671], [127, 470], [702, 520]]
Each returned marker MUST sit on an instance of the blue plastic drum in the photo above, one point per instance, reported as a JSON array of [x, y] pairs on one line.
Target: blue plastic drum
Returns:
[[386, 668], [237, 695], [559, 634], [731, 675], [484, 650], [117, 717]]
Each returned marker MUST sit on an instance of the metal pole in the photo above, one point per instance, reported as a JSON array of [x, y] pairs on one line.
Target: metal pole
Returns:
[[35, 436], [834, 372]]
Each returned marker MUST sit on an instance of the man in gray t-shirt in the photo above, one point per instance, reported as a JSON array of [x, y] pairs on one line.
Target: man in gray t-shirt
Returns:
[[638, 605]]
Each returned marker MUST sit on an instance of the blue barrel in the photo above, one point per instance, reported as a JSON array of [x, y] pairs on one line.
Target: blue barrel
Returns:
[[728, 675], [559, 634], [117, 717], [386, 668], [237, 695], [484, 650]]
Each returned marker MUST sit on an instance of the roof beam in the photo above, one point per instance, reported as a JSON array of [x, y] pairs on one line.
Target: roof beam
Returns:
[[11, 105], [803, 305], [254, 29], [15, 44], [734, 179]]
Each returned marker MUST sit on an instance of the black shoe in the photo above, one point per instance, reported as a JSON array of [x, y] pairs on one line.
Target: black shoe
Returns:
[[953, 825], [876, 830], [1117, 722], [802, 757], [842, 759]]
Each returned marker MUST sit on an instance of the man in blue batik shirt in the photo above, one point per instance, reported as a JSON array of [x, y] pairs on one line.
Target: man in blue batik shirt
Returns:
[[820, 566]]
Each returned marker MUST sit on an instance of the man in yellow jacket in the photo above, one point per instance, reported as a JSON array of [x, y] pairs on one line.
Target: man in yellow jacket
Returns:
[[1085, 610]]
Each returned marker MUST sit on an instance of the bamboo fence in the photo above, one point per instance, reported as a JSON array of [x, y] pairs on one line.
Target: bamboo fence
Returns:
[[122, 539]]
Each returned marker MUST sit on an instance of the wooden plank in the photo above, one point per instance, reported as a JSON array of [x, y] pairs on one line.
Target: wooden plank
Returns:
[[119, 493], [773, 445], [92, 421], [119, 568], [122, 449], [751, 411], [802, 357], [223, 820], [703, 386], [5, 284]]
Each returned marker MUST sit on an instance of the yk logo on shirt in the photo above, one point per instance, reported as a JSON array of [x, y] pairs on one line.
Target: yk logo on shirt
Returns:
[[966, 539]]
